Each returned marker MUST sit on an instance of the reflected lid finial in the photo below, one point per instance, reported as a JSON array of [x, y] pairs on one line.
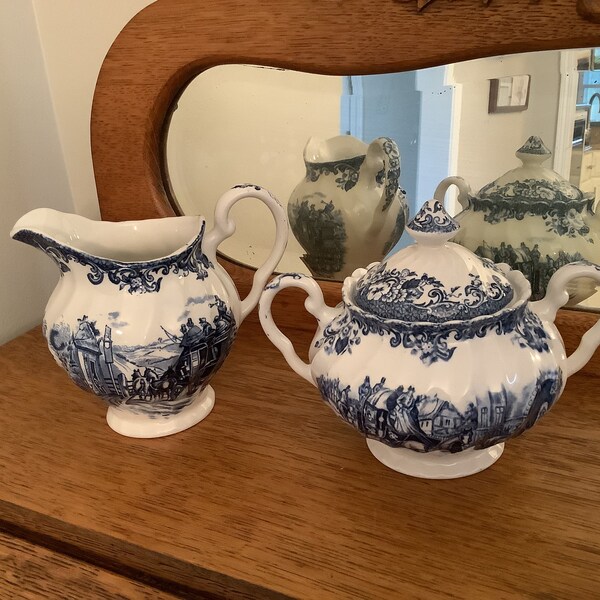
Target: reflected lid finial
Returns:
[[535, 146]]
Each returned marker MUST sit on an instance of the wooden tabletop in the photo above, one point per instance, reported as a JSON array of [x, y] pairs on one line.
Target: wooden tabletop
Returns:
[[272, 496], [32, 572]]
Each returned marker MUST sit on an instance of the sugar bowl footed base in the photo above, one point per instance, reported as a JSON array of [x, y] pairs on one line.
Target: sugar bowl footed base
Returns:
[[435, 465], [141, 426]]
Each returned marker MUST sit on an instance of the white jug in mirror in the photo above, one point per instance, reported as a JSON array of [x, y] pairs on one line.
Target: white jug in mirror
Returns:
[[349, 209]]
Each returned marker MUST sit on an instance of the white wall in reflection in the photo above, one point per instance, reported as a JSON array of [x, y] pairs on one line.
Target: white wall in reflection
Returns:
[[239, 124]]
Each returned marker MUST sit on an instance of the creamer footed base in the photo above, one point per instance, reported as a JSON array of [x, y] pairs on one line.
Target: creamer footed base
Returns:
[[141, 426], [436, 464]]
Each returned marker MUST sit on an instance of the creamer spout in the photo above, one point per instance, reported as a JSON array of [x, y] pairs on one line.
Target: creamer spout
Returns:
[[36, 226]]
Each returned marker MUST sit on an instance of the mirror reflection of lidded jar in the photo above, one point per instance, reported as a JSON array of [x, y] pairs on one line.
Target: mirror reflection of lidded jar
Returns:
[[532, 219], [349, 209]]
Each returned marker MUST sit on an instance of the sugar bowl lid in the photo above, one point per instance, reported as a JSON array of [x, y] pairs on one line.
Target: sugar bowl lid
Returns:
[[433, 280], [532, 182]]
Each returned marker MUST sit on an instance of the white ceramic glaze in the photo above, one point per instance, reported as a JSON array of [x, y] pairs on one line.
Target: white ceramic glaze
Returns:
[[349, 208], [480, 366], [435, 465], [143, 314], [532, 219]]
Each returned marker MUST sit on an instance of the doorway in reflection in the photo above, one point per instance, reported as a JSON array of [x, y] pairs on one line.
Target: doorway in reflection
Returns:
[[415, 110]]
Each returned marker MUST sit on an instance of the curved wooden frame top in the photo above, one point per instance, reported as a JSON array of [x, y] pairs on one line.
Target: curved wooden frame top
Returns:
[[168, 43]]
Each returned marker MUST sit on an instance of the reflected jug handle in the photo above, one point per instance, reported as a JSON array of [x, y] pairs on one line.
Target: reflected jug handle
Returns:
[[383, 165], [557, 296], [314, 304], [464, 190], [225, 227]]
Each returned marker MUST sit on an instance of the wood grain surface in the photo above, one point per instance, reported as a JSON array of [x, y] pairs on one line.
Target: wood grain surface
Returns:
[[589, 10], [168, 43], [31, 572], [273, 496]]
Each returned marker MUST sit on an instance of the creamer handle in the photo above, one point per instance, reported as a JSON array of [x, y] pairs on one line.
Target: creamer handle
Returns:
[[464, 190], [557, 296], [314, 304], [225, 227]]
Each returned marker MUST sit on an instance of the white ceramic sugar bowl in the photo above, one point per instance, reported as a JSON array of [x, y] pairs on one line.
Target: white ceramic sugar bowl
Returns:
[[436, 356]]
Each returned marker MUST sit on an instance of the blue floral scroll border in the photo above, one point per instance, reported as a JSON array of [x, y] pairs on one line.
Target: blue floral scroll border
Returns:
[[392, 186], [403, 294], [431, 342], [135, 277], [559, 204], [433, 218], [348, 170]]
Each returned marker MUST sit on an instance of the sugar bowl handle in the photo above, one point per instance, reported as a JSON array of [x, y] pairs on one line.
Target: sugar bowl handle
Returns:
[[225, 227], [557, 296], [464, 190], [314, 304]]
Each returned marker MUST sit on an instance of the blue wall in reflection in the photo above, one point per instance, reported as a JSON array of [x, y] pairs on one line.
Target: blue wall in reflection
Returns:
[[414, 109]]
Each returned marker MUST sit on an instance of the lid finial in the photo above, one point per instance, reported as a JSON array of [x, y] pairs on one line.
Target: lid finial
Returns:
[[432, 224]]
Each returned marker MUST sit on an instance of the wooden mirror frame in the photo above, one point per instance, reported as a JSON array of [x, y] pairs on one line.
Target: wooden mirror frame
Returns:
[[170, 42]]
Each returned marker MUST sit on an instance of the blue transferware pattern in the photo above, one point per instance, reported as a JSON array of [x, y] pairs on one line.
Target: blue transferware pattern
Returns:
[[442, 379], [537, 268], [400, 224], [431, 342], [392, 185], [534, 145], [455, 289], [558, 203], [347, 169], [321, 231], [135, 277], [159, 378], [532, 219], [433, 218], [404, 294], [398, 416], [143, 315], [322, 209]]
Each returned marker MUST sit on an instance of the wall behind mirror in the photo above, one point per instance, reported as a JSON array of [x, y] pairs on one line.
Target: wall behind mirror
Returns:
[[243, 123]]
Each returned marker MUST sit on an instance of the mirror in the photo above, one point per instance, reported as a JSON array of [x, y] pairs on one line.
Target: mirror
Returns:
[[244, 123]]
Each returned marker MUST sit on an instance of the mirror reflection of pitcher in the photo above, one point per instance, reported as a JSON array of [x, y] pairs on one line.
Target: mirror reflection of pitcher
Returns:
[[349, 209]]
